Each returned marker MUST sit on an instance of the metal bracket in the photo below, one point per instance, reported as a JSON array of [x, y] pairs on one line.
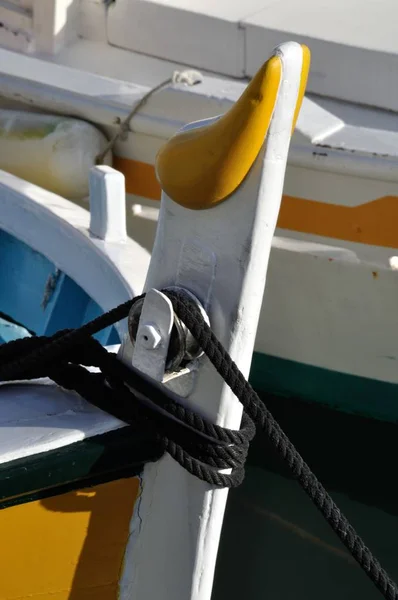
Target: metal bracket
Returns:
[[151, 322], [153, 335]]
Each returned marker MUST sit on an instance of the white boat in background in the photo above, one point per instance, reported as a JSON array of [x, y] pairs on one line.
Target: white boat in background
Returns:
[[87, 81], [328, 322]]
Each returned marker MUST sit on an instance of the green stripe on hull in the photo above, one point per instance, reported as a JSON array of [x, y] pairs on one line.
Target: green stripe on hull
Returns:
[[348, 393], [99, 459]]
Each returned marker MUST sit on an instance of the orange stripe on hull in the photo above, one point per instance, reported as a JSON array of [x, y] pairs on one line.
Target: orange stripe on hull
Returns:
[[372, 223], [140, 177]]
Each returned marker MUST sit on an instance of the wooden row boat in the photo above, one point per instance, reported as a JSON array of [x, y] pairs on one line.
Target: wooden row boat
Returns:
[[326, 327]]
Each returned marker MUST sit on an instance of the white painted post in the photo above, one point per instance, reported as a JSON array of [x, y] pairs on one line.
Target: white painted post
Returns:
[[55, 24], [107, 204], [220, 254]]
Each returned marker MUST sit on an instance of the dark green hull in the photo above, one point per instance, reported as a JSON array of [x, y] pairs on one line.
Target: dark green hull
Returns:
[[275, 544]]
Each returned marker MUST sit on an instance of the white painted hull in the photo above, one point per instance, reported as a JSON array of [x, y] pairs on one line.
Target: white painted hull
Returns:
[[330, 305]]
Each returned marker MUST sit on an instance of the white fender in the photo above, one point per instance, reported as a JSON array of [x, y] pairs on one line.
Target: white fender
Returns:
[[51, 151]]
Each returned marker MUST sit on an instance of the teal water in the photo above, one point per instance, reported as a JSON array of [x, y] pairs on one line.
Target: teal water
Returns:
[[275, 544]]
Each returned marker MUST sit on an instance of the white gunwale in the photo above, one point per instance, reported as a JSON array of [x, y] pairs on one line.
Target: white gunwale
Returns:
[[359, 149]]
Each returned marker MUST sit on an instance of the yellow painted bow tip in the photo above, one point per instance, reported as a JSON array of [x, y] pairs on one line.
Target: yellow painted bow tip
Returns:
[[201, 167], [305, 69]]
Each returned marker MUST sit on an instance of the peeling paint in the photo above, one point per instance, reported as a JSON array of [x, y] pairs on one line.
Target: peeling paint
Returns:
[[50, 287], [16, 32], [139, 500], [352, 150]]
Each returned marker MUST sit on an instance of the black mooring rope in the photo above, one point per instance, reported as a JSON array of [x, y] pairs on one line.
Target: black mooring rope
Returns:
[[196, 444]]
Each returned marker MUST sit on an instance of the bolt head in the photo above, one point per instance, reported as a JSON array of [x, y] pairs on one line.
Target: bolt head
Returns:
[[150, 337]]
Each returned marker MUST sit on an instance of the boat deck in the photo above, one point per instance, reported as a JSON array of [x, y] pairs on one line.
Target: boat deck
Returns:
[[41, 417]]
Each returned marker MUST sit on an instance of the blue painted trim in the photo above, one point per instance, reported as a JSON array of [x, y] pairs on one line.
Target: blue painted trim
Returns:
[[36, 294]]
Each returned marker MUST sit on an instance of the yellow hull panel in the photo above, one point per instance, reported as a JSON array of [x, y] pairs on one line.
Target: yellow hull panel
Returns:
[[67, 547]]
